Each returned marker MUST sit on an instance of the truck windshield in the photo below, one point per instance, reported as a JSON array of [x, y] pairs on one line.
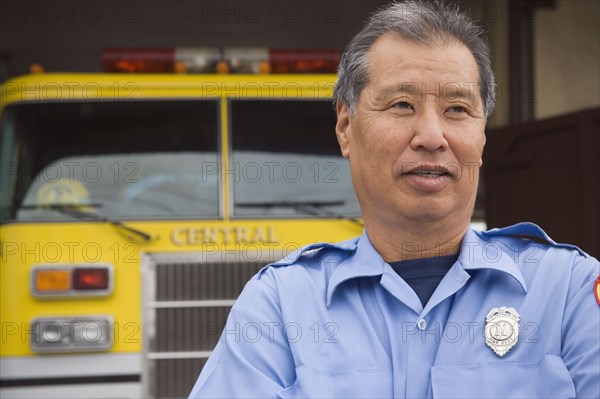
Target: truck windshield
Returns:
[[121, 160], [286, 161]]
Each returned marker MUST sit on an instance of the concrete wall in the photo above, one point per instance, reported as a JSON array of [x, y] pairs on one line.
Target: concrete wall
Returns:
[[567, 57], [494, 16]]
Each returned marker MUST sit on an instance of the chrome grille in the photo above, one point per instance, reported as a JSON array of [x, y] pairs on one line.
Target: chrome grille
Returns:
[[186, 307], [175, 376], [198, 281], [189, 329]]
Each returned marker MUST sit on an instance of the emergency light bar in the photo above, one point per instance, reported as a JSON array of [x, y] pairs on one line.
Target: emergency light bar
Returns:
[[215, 60]]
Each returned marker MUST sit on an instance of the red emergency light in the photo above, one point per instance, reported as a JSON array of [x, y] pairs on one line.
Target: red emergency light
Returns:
[[90, 278], [138, 60]]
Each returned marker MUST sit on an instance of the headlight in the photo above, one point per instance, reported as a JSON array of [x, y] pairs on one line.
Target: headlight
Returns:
[[71, 334]]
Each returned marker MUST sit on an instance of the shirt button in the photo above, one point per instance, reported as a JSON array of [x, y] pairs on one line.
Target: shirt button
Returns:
[[422, 324]]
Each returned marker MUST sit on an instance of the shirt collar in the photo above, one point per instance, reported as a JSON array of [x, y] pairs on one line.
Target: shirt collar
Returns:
[[479, 252], [365, 262], [476, 253]]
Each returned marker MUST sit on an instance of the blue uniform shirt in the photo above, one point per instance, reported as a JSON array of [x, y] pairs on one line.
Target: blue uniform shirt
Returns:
[[335, 320]]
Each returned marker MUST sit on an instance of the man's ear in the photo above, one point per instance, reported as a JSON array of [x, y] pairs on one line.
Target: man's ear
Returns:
[[342, 127], [482, 147]]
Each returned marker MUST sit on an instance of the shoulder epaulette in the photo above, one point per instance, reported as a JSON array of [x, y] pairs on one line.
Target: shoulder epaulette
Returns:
[[291, 258], [532, 232]]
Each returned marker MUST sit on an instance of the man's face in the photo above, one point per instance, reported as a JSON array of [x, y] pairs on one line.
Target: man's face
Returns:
[[416, 139]]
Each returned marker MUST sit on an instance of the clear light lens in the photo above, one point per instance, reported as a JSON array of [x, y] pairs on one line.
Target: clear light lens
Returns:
[[52, 333], [246, 60], [71, 334], [197, 60]]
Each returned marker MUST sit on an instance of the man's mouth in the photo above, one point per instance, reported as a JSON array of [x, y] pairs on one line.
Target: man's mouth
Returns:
[[430, 172]]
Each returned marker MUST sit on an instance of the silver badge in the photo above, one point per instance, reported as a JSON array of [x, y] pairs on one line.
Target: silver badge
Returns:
[[502, 329]]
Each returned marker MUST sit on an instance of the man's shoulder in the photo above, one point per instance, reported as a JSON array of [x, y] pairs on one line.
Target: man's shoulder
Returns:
[[530, 248], [323, 256], [526, 234]]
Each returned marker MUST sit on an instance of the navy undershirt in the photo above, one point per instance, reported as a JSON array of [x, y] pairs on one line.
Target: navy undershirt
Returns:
[[424, 275]]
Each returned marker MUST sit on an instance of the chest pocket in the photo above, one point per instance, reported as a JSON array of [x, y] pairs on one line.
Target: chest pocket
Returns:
[[368, 383], [546, 379]]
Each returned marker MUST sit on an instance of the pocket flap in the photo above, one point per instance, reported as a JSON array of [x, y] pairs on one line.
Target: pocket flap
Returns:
[[547, 379]]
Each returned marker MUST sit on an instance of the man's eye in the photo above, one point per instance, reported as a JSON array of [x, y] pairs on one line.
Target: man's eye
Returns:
[[457, 108], [403, 105]]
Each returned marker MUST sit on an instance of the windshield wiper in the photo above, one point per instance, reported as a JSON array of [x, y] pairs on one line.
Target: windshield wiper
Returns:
[[314, 208], [73, 211]]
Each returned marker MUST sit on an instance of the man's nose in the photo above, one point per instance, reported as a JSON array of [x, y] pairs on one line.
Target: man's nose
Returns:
[[428, 132]]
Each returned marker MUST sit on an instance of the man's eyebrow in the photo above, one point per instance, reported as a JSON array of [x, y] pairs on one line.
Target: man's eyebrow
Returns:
[[449, 92], [464, 92], [402, 88]]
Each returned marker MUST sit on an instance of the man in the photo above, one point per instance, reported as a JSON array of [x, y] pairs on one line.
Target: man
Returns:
[[420, 305]]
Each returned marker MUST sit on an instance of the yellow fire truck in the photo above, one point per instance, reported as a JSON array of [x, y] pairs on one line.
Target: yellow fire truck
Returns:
[[135, 206]]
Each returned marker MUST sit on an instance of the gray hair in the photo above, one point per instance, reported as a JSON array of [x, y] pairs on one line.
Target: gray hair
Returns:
[[422, 22]]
